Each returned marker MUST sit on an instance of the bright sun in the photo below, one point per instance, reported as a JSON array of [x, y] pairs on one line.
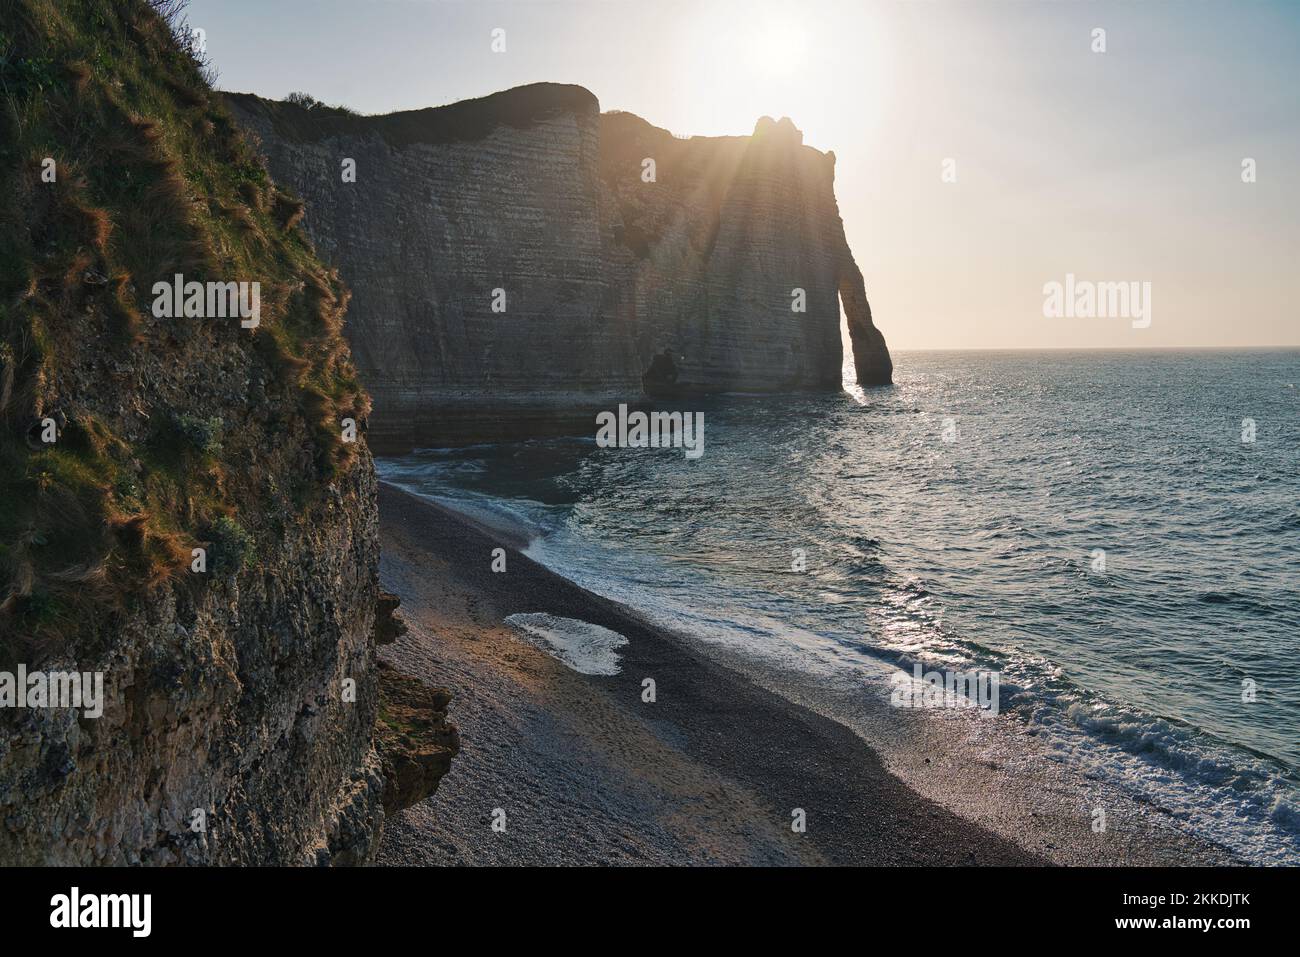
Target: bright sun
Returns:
[[774, 45], [765, 59]]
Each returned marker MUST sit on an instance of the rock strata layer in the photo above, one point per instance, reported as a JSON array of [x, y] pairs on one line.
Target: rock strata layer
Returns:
[[520, 261]]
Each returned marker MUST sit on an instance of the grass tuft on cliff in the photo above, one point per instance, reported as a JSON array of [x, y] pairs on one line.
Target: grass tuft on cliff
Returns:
[[119, 168]]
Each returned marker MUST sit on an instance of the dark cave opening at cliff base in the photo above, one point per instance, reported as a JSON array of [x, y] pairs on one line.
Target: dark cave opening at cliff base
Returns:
[[660, 378]]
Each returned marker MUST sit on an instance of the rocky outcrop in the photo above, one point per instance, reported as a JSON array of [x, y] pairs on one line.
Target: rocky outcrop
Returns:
[[413, 736], [415, 740], [185, 512], [389, 625], [516, 263]]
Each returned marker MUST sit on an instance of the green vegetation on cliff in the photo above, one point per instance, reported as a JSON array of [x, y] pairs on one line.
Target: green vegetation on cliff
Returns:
[[120, 168]]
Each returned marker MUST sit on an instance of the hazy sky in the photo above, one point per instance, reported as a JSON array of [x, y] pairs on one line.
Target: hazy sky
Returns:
[[1122, 166]]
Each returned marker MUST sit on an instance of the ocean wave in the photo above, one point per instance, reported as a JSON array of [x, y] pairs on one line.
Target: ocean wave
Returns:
[[1094, 530]]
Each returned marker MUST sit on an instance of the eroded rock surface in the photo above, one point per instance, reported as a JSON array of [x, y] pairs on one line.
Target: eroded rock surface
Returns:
[[533, 201], [240, 696], [415, 740]]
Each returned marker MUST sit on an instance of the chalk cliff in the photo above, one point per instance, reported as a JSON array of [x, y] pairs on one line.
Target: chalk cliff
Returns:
[[516, 264], [183, 513], [716, 250]]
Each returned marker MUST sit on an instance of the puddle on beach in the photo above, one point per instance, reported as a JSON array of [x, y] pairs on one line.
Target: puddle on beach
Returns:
[[586, 648]]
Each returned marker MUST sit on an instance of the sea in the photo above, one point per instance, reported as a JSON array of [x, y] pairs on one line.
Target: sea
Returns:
[[1115, 534]]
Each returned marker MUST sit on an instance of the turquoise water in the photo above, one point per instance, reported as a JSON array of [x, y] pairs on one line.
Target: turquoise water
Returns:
[[984, 550]]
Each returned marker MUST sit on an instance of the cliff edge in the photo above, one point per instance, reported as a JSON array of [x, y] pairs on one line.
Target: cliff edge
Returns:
[[189, 536], [521, 260]]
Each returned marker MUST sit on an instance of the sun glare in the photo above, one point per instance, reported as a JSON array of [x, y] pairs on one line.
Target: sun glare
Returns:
[[773, 61], [774, 45]]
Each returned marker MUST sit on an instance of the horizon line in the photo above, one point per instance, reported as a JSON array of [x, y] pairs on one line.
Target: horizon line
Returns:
[[1213, 348]]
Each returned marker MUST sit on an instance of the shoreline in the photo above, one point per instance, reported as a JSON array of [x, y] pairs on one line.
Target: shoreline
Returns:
[[711, 771]]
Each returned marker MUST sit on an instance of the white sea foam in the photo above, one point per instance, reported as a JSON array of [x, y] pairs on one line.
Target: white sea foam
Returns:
[[586, 648], [976, 555], [1237, 802]]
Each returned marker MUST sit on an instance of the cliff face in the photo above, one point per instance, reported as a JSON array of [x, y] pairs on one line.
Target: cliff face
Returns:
[[448, 206], [183, 513], [721, 248], [604, 274]]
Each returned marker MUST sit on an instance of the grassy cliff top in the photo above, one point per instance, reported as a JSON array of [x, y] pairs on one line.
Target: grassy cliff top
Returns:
[[465, 121]]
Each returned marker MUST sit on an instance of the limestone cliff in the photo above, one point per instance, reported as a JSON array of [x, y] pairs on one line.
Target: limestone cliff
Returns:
[[184, 513], [716, 249], [515, 265]]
